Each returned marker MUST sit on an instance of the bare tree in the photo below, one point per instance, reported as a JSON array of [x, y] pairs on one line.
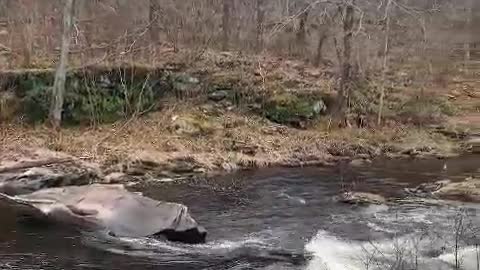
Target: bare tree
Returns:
[[346, 60], [324, 31], [386, 46], [226, 25], [301, 35], [260, 25], [60, 75], [153, 11]]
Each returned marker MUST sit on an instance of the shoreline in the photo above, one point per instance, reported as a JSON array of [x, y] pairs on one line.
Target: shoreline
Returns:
[[118, 150]]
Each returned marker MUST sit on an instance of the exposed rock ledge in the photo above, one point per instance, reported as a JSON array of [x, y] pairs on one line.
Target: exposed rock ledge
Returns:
[[360, 198], [60, 188], [110, 208], [467, 190]]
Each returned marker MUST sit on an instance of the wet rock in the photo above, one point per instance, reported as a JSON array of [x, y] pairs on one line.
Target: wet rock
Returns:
[[427, 188], [474, 144], [465, 191], [361, 162], [40, 178], [111, 208], [229, 166], [360, 198]]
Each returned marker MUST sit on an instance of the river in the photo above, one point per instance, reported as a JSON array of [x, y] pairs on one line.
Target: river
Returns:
[[278, 219]]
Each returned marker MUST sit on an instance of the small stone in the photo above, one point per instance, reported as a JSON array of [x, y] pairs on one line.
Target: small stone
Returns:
[[360, 162], [115, 178], [360, 198], [200, 170], [229, 166], [165, 180], [474, 143], [218, 96]]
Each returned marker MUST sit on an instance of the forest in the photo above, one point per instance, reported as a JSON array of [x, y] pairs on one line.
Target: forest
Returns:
[[303, 64], [299, 134]]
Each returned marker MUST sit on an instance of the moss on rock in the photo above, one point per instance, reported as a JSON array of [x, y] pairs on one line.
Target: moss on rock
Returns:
[[96, 95], [289, 109]]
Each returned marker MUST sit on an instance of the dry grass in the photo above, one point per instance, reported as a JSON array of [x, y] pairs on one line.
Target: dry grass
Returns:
[[234, 134], [237, 140]]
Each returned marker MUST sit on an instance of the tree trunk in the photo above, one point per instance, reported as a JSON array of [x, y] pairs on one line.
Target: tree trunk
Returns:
[[346, 65], [386, 46], [85, 14], [259, 46], [301, 35], [226, 25], [153, 20], [323, 35], [60, 75], [321, 41], [286, 8]]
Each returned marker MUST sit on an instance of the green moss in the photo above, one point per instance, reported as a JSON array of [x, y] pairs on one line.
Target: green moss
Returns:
[[293, 110], [91, 97]]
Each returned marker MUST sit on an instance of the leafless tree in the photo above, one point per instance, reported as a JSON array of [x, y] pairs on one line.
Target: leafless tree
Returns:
[[386, 46], [154, 9], [60, 75], [323, 33], [226, 24], [346, 60], [260, 25]]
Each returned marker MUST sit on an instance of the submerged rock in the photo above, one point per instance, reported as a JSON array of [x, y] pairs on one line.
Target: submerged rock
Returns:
[[112, 208], [360, 198], [427, 188]]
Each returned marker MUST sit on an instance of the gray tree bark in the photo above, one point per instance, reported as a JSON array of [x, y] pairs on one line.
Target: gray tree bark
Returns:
[[154, 8], [346, 79], [61, 73], [260, 25], [386, 47], [226, 25], [301, 35], [324, 31]]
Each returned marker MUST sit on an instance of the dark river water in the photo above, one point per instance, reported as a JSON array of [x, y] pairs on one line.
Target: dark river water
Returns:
[[277, 219]]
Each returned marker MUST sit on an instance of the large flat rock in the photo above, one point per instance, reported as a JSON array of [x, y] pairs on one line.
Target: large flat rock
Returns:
[[111, 208]]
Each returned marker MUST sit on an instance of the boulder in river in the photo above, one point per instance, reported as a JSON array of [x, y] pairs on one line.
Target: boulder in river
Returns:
[[360, 198], [465, 191], [427, 188], [474, 144], [110, 208]]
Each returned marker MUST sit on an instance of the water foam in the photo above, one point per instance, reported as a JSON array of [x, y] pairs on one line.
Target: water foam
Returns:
[[150, 247], [331, 253], [468, 257]]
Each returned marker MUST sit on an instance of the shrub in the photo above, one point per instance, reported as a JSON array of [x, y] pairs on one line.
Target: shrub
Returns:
[[425, 110]]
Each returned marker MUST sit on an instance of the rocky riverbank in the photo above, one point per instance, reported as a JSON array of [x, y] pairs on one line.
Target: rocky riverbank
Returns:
[[222, 113]]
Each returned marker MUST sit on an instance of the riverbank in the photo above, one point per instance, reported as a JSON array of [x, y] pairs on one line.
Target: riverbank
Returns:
[[224, 112], [231, 141]]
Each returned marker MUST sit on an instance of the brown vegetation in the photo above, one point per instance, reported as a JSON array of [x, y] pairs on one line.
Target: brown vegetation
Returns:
[[250, 83]]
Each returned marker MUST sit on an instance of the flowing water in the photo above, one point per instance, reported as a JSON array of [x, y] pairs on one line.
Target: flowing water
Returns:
[[277, 219]]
